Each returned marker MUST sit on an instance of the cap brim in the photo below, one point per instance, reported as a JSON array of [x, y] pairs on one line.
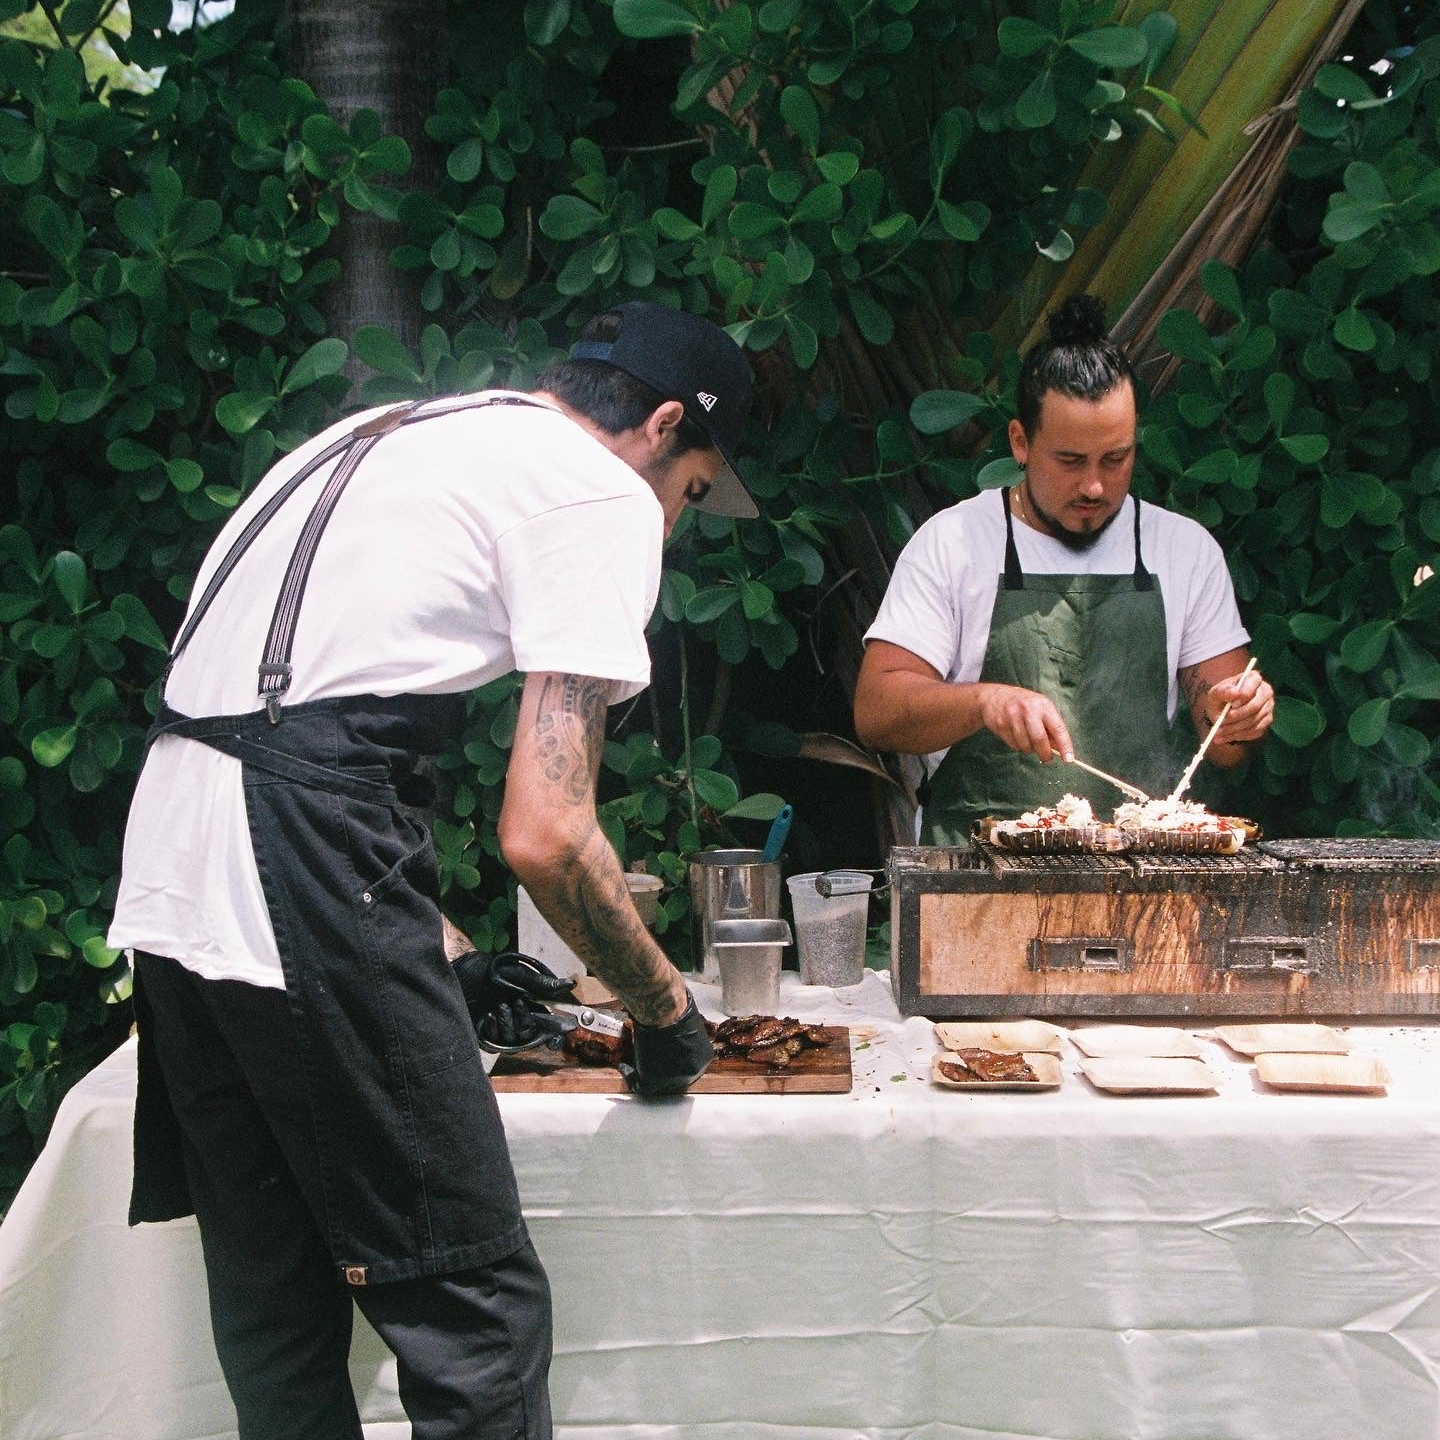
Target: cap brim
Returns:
[[727, 496]]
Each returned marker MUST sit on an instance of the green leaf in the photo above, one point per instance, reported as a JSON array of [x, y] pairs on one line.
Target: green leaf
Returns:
[[1183, 335], [710, 603], [1364, 647], [140, 625], [567, 217], [382, 352], [185, 475], [653, 19], [1002, 472], [802, 115], [545, 20], [840, 166], [1297, 723], [719, 192], [1312, 629], [1367, 724], [718, 791], [52, 747], [324, 357], [1353, 330], [755, 807], [1113, 47], [756, 599], [130, 455], [936, 411], [1036, 106], [1338, 83], [1306, 449], [1406, 744], [1021, 37], [875, 321], [1279, 398], [71, 579], [242, 410]]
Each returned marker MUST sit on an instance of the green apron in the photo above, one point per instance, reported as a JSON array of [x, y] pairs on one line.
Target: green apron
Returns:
[[1095, 645]]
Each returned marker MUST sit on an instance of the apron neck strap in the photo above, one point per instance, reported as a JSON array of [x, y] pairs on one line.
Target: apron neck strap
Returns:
[[1014, 577]]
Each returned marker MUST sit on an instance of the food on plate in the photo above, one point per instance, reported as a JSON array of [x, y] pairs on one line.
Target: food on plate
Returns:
[[765, 1039], [973, 1063]]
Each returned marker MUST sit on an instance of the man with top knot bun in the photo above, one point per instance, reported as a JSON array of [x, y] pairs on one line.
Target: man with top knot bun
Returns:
[[1060, 617]]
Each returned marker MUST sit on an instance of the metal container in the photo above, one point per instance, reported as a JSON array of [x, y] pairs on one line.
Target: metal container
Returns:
[[748, 954], [728, 885]]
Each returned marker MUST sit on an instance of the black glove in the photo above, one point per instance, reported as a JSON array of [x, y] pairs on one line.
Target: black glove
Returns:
[[504, 994], [670, 1058]]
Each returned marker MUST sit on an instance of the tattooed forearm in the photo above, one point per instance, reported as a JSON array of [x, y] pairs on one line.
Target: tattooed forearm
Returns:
[[597, 918], [1195, 688], [570, 733]]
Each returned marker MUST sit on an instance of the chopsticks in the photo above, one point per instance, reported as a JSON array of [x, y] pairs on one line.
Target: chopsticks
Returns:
[[1180, 789], [1133, 791]]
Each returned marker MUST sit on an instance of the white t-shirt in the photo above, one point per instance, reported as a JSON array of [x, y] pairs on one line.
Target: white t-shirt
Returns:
[[941, 596], [465, 547]]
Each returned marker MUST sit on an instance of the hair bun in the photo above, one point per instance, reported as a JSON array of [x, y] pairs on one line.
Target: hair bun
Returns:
[[1079, 321]]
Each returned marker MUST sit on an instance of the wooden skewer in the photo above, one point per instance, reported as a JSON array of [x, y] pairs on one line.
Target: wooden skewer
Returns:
[[1180, 789], [1124, 786]]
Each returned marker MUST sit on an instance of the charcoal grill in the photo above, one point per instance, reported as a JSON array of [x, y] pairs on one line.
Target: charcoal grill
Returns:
[[1285, 927]]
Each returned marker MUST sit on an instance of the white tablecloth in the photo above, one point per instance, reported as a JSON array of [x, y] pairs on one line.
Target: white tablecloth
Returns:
[[901, 1261]]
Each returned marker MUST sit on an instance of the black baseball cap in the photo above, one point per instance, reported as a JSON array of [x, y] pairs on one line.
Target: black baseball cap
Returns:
[[687, 358]]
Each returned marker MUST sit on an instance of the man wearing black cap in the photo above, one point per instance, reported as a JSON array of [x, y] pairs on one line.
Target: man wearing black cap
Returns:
[[310, 1080]]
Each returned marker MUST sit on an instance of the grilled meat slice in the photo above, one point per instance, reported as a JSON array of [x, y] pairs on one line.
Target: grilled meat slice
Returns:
[[994, 1065]]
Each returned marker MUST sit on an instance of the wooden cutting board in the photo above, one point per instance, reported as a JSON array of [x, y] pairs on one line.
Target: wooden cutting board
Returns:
[[824, 1070]]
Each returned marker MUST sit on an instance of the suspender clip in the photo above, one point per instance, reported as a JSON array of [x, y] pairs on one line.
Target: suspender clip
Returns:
[[274, 682]]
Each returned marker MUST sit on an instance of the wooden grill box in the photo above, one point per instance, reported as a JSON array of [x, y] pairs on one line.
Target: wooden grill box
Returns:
[[1286, 927]]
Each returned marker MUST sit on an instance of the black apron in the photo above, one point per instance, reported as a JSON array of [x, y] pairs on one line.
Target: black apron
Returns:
[[415, 1174], [1095, 645]]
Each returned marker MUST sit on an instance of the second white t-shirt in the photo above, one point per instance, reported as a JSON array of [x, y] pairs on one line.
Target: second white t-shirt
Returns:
[[940, 598]]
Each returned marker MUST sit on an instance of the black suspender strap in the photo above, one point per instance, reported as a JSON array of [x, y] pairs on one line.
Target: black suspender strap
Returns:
[[275, 672]]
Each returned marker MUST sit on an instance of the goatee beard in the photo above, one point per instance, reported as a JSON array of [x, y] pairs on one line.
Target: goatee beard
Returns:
[[1070, 539]]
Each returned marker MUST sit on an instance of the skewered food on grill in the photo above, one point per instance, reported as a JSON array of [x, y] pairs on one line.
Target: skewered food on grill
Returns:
[[1069, 824]]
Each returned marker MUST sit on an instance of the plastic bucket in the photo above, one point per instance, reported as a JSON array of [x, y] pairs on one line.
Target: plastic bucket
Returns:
[[830, 930], [728, 885]]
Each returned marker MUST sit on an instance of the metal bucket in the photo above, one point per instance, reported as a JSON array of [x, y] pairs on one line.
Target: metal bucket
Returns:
[[728, 885]]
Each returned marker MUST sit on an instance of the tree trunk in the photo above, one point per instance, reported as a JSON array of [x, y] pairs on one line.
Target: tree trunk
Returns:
[[392, 57]]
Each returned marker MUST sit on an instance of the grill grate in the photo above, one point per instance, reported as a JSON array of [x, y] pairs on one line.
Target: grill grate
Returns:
[[1378, 853]]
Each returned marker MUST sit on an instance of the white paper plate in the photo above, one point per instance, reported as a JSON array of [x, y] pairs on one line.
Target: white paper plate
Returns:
[[1289, 1070], [1011, 1035], [1273, 1038], [1148, 1075], [1105, 1041]]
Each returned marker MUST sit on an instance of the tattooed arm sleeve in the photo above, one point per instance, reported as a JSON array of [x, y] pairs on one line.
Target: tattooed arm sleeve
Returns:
[[552, 840]]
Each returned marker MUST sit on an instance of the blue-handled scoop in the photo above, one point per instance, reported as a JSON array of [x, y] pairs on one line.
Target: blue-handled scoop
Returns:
[[779, 829]]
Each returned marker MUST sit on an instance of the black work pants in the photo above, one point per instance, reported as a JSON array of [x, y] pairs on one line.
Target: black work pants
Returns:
[[473, 1347]]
